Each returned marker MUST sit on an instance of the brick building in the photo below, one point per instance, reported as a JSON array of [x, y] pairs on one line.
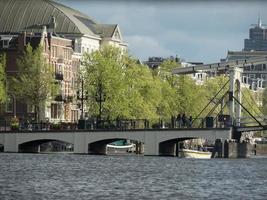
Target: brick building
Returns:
[[65, 62], [70, 34]]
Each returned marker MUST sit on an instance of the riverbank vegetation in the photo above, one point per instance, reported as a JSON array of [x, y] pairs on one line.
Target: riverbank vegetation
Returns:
[[124, 88], [118, 86], [3, 94]]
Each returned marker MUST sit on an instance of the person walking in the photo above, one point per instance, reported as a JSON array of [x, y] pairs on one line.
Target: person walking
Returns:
[[184, 119], [179, 120], [190, 120]]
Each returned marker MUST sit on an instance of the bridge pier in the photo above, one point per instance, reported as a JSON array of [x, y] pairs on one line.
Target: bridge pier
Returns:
[[218, 149], [97, 148], [10, 143], [167, 149], [139, 148], [234, 149], [80, 144]]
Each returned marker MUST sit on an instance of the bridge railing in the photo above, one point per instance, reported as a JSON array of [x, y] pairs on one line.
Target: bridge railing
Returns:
[[249, 121], [119, 124]]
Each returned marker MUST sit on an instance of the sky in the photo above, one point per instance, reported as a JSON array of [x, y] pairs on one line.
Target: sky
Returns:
[[194, 30]]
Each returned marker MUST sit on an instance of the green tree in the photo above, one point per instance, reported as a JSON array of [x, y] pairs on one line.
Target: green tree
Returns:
[[252, 100], [35, 82], [103, 82], [128, 89], [168, 86], [143, 90], [191, 96], [181, 93], [264, 102], [219, 86], [3, 94], [165, 71]]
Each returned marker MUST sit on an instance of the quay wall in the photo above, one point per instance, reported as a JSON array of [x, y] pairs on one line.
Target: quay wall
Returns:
[[260, 149], [237, 150]]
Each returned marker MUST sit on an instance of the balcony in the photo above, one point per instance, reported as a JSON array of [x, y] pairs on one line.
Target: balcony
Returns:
[[59, 76]]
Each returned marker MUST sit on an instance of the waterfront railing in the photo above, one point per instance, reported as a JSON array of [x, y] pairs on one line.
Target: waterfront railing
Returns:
[[119, 124]]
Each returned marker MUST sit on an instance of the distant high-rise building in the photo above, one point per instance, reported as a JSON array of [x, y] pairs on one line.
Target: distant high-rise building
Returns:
[[257, 38], [254, 47]]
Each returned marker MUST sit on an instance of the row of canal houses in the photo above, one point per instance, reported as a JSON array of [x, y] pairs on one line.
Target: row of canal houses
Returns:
[[65, 34]]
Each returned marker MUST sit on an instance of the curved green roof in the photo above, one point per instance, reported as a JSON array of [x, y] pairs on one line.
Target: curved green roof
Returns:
[[19, 15]]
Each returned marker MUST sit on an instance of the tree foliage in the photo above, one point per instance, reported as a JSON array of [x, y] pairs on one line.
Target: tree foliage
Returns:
[[3, 90], [181, 94], [251, 100], [264, 102], [34, 82], [216, 96], [128, 89], [132, 90]]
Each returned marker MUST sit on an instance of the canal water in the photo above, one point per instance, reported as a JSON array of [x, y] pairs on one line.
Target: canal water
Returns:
[[69, 176]]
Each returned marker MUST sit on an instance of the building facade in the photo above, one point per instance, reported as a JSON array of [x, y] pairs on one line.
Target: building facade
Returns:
[[257, 38], [68, 35], [254, 76], [199, 77], [61, 57]]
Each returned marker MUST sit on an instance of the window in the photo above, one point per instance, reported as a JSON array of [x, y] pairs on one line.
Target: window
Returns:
[[55, 111], [9, 104], [74, 115], [5, 43], [252, 76], [244, 79]]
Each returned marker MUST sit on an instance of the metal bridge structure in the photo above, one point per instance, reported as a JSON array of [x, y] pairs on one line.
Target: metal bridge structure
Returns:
[[235, 70]]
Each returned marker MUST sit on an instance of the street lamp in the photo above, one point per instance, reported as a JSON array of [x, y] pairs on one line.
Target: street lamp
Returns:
[[82, 97], [100, 97]]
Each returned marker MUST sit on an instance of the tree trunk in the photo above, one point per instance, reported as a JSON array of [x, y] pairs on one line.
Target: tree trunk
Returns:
[[36, 113]]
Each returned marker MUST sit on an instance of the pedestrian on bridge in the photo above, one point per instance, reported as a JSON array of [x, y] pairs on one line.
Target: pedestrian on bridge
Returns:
[[190, 120], [179, 120], [184, 120]]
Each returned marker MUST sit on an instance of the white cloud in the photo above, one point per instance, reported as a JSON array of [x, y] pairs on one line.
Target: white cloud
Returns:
[[197, 30], [144, 47]]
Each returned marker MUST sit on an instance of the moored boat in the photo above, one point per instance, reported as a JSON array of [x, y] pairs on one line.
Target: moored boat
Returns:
[[121, 146], [189, 153]]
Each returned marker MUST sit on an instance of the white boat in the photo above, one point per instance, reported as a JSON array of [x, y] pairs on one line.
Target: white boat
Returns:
[[127, 148], [189, 153]]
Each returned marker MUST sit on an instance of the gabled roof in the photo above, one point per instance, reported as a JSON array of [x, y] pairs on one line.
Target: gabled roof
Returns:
[[105, 30], [18, 15]]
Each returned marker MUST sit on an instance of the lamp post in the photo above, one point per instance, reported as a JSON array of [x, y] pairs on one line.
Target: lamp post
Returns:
[[100, 97], [82, 97]]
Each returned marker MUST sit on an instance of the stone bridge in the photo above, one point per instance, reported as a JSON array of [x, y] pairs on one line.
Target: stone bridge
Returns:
[[156, 142]]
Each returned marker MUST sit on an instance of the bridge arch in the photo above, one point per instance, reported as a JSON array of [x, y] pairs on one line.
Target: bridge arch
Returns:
[[2, 147], [34, 146], [100, 146], [2, 141], [170, 147], [208, 134], [168, 143]]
